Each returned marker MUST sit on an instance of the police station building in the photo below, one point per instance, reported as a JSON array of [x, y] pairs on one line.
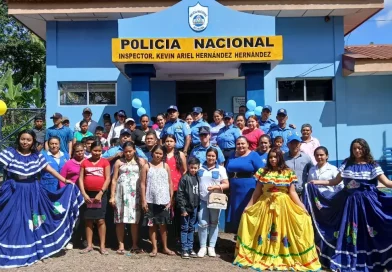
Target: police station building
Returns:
[[217, 55]]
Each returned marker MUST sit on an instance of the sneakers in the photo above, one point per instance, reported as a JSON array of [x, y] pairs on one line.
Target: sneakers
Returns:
[[192, 253], [211, 252], [202, 252], [69, 246], [185, 254]]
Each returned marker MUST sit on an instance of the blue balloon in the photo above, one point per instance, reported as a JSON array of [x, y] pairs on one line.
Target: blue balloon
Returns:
[[136, 103], [258, 110], [251, 105], [141, 111], [249, 113]]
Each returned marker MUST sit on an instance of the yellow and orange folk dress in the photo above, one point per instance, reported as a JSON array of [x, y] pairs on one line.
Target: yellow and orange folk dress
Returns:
[[275, 233]]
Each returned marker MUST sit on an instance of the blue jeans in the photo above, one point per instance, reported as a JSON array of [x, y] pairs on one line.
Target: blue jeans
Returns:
[[208, 224], [188, 230]]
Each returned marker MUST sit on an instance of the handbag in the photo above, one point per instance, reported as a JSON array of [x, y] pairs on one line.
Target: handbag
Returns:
[[217, 201]]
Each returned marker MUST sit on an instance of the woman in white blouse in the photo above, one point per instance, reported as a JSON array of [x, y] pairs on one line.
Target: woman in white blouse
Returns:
[[324, 171]]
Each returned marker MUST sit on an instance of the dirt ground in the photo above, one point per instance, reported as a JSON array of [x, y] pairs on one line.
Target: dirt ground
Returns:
[[73, 261]]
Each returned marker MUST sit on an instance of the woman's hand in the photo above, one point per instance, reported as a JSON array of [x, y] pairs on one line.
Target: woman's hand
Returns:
[[98, 197], [168, 206], [112, 201], [67, 181], [213, 188], [145, 206], [87, 199]]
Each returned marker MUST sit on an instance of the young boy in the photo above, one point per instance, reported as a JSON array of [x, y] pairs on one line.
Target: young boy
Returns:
[[87, 146], [99, 133], [188, 202]]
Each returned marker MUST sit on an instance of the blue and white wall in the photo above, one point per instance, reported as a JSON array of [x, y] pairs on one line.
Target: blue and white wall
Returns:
[[81, 51]]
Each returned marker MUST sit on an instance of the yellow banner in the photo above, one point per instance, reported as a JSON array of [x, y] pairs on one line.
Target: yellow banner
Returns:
[[217, 49]]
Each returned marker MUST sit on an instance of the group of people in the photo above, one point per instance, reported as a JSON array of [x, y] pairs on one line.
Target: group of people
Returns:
[[287, 206]]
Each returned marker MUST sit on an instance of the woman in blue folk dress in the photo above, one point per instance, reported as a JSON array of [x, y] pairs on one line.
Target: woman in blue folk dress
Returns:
[[35, 223], [353, 228]]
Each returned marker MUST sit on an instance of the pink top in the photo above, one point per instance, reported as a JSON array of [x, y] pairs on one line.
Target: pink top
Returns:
[[309, 147], [155, 126], [70, 171], [174, 172], [253, 137]]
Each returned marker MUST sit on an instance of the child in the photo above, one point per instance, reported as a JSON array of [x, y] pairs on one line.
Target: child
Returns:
[[94, 181], [156, 193], [114, 142], [213, 177], [87, 146], [188, 202], [99, 133], [278, 142]]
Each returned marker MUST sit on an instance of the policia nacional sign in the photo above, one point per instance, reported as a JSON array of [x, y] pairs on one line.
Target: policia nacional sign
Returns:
[[262, 48]]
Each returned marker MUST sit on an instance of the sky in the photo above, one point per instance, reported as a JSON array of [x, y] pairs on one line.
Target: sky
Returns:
[[377, 29]]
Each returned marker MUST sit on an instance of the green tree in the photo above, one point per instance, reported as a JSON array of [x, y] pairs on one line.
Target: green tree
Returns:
[[21, 51]]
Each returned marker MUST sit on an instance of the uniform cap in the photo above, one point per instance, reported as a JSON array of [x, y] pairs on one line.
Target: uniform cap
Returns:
[[172, 107], [282, 111], [106, 115], [65, 119], [56, 115], [267, 107], [38, 117], [228, 115], [294, 137], [121, 113], [125, 131], [87, 110], [197, 109], [204, 130]]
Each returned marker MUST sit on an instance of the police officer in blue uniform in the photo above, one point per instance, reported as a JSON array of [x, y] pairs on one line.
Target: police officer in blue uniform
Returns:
[[200, 150], [265, 121], [179, 128], [228, 135], [197, 114], [282, 129]]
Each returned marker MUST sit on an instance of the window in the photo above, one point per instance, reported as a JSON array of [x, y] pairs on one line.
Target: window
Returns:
[[84, 93], [305, 90]]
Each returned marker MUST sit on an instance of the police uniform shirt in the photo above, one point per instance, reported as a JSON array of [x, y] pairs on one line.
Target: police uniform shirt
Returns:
[[227, 136], [265, 126], [195, 130], [179, 128], [284, 133], [200, 152]]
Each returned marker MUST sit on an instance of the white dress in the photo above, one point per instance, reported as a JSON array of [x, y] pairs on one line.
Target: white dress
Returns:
[[128, 194]]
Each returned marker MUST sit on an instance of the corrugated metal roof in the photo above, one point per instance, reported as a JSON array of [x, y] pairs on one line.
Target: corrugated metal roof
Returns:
[[373, 51]]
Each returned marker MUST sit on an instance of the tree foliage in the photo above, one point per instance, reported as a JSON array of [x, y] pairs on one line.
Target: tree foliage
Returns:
[[20, 50]]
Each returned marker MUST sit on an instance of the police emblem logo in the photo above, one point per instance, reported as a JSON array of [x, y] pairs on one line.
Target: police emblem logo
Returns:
[[198, 17], [281, 110]]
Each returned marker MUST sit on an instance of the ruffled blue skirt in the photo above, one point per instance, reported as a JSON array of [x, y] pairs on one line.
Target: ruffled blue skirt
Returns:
[[35, 223], [353, 228]]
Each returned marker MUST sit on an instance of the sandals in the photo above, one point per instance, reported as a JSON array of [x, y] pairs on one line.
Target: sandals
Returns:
[[86, 250], [120, 251], [103, 251], [136, 250]]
